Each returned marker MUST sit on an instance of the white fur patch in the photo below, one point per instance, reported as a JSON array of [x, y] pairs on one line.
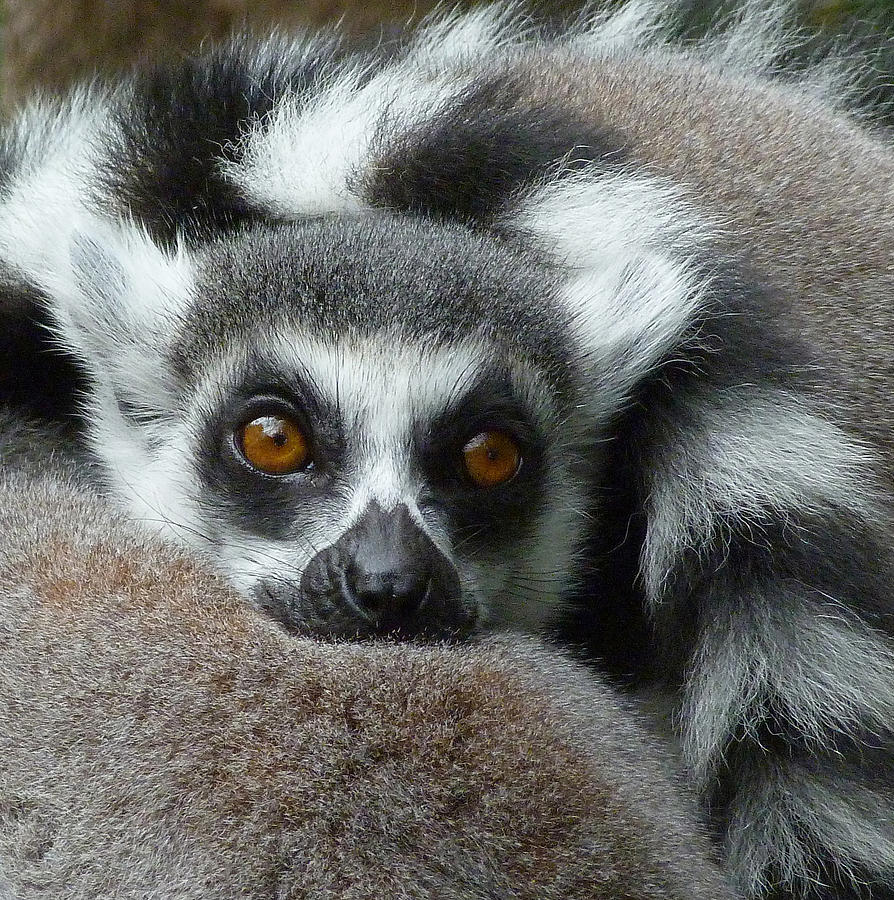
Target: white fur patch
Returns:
[[755, 39], [631, 25], [626, 243], [155, 486], [115, 298], [458, 39], [43, 204], [118, 269], [302, 159], [246, 560], [383, 389], [827, 675], [781, 641], [855, 820], [747, 455], [778, 825]]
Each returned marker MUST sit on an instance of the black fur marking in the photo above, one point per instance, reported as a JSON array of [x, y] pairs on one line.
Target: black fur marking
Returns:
[[831, 550], [251, 501], [834, 554], [35, 376], [181, 121], [734, 343], [767, 745], [485, 517], [471, 156], [768, 580], [605, 617]]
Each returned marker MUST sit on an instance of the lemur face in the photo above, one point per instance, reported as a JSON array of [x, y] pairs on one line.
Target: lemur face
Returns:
[[367, 435], [374, 485]]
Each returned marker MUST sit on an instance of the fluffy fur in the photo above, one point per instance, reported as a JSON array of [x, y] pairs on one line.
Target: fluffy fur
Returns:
[[159, 739], [666, 271]]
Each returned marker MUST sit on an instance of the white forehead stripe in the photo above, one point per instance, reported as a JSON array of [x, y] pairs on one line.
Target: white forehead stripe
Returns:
[[382, 386]]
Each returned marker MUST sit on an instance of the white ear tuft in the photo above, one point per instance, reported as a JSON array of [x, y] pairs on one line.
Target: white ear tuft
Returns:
[[113, 293], [117, 307], [626, 244], [118, 279]]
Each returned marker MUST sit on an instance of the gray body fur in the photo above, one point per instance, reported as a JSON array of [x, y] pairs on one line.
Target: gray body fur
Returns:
[[669, 269], [159, 739]]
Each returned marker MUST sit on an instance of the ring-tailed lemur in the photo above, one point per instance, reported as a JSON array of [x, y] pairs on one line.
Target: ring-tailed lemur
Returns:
[[496, 325], [161, 739]]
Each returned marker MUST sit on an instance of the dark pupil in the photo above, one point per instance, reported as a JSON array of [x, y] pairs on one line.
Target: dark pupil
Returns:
[[279, 438], [493, 455]]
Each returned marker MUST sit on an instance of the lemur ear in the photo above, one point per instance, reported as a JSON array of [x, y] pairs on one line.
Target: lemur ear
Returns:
[[121, 291], [114, 296], [629, 248], [121, 309]]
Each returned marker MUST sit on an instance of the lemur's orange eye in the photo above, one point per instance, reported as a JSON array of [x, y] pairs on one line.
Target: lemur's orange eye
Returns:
[[274, 444], [491, 458]]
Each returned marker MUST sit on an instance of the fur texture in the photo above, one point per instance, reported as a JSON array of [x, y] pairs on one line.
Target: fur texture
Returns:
[[159, 739], [666, 272]]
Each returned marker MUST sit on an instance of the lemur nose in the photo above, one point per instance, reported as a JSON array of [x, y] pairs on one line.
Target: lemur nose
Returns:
[[383, 576], [388, 574], [388, 593]]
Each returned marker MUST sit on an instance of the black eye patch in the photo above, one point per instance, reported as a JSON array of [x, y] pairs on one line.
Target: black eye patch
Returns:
[[250, 500], [500, 512]]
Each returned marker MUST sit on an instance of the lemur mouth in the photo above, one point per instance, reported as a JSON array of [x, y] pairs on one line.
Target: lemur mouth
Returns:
[[340, 619]]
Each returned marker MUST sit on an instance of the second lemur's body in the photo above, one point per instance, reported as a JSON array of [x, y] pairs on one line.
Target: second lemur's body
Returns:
[[494, 327]]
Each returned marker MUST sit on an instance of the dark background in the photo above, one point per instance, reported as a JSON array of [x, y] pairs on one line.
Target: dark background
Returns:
[[48, 43]]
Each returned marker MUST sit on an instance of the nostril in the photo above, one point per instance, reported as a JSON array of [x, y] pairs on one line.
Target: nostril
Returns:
[[383, 592]]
